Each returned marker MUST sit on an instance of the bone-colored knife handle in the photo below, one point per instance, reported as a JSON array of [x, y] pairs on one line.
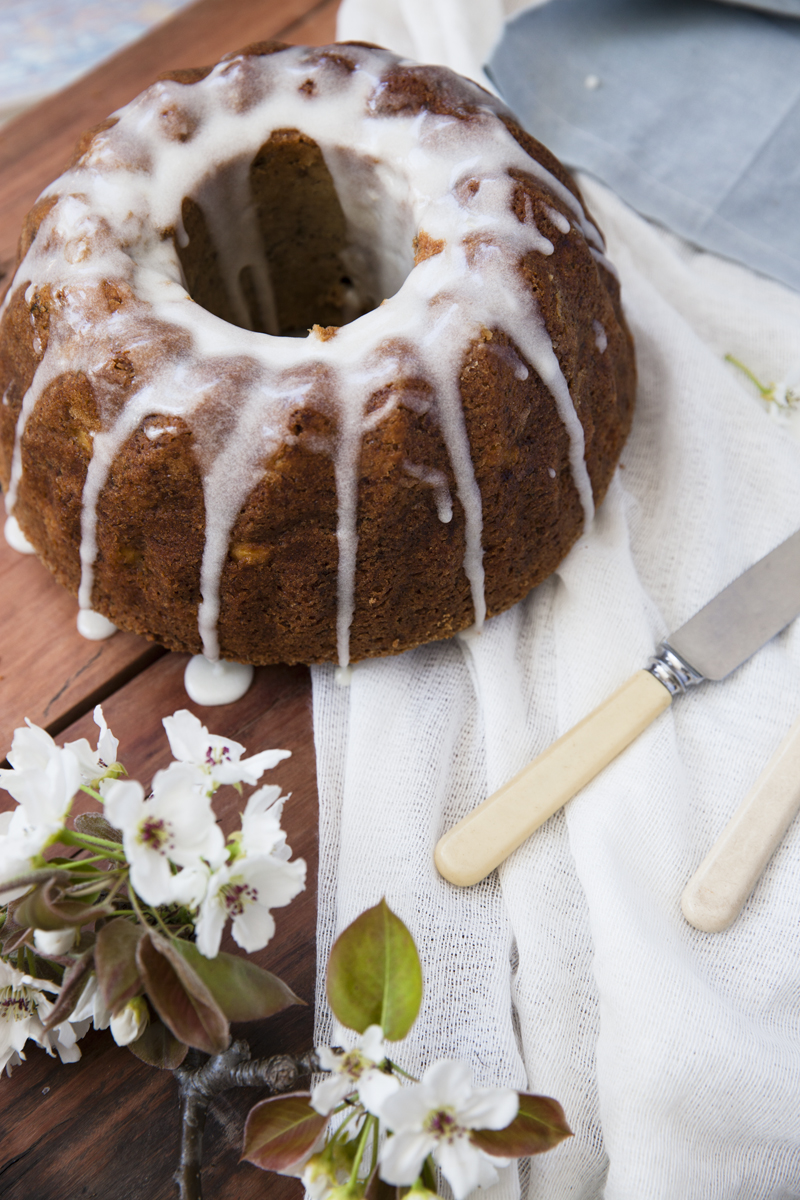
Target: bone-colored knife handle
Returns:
[[479, 843], [716, 893]]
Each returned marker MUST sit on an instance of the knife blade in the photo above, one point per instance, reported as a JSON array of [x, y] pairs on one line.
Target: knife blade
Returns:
[[720, 637]]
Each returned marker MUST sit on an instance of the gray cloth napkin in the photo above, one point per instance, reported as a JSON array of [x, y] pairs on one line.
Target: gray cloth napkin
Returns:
[[689, 110]]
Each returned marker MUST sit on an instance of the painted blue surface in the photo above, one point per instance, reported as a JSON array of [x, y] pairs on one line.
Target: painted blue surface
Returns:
[[688, 110], [45, 44]]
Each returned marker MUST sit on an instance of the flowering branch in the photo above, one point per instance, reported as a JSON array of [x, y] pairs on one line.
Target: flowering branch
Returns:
[[374, 987], [199, 1082], [126, 932]]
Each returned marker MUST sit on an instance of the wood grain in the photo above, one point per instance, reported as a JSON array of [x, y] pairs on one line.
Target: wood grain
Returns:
[[48, 672], [35, 146], [109, 1125]]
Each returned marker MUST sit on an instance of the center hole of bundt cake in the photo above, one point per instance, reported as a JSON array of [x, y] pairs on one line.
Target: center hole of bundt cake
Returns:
[[268, 245]]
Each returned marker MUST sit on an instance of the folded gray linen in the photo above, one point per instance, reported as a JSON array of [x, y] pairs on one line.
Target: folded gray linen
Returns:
[[688, 109]]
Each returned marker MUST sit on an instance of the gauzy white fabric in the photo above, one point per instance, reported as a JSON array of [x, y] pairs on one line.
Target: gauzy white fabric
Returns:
[[571, 971]]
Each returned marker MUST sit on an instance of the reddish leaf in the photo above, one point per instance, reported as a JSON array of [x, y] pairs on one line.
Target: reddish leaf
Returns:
[[539, 1125], [31, 877], [115, 962], [71, 988], [374, 974], [281, 1131], [180, 997], [243, 991], [158, 1047], [47, 908]]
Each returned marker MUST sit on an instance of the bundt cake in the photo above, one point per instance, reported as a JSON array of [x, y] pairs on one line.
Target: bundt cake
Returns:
[[313, 355]]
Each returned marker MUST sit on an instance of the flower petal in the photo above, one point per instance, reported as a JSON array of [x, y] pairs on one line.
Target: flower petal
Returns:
[[402, 1156], [374, 1087], [463, 1166], [330, 1092]]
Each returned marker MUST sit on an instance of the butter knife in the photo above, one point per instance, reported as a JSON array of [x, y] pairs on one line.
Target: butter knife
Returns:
[[716, 893], [716, 640]]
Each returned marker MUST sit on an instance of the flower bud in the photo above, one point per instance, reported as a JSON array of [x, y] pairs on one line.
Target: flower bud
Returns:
[[318, 1177], [419, 1191], [54, 941], [131, 1022]]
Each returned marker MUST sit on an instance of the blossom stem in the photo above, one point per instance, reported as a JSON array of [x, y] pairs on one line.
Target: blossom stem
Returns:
[[339, 1133], [157, 916], [765, 390], [137, 909], [399, 1071], [87, 841], [368, 1125], [90, 791]]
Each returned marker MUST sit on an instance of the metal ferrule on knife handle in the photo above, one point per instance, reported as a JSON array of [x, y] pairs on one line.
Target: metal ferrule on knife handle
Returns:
[[673, 671]]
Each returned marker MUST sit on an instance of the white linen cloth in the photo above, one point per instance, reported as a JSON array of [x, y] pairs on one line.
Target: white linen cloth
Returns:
[[571, 971]]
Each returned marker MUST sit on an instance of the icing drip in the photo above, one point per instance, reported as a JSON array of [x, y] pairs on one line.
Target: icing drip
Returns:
[[211, 683], [235, 387], [94, 626], [559, 220], [601, 340], [16, 538], [438, 481]]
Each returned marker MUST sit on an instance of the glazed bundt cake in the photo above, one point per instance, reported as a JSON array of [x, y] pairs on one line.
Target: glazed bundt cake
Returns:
[[312, 355]]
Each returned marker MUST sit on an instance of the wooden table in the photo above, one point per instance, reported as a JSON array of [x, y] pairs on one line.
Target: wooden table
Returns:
[[108, 1126]]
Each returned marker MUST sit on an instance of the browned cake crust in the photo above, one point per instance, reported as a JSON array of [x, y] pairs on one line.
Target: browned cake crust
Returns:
[[278, 588]]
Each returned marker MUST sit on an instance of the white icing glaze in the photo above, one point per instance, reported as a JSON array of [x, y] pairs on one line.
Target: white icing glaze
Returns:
[[209, 683], [94, 626], [601, 340], [441, 491], [16, 538], [396, 175]]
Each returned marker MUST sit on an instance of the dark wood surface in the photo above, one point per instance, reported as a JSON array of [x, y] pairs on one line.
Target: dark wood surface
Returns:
[[108, 1126]]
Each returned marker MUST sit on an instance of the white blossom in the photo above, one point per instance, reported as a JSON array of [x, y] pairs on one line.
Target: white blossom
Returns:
[[244, 891], [261, 823], [18, 852], [24, 1008], [436, 1117], [91, 1006], [130, 1022], [356, 1070], [216, 760], [43, 779], [175, 825], [97, 765], [54, 941]]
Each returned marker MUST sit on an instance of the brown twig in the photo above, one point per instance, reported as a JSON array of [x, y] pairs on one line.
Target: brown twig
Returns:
[[201, 1079]]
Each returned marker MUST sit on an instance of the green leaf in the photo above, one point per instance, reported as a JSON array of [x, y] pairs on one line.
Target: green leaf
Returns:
[[539, 1125], [244, 991], [281, 1131], [180, 997], [71, 988], [374, 974], [158, 1047], [115, 962]]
